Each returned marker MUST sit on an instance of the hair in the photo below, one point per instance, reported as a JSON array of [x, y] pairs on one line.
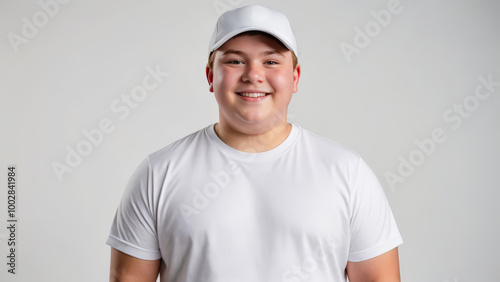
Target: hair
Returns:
[[211, 58]]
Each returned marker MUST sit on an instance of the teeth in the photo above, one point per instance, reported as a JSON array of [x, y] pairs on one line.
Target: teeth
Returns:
[[252, 95]]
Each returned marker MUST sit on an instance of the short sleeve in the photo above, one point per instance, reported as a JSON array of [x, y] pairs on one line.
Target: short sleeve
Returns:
[[373, 229], [134, 227]]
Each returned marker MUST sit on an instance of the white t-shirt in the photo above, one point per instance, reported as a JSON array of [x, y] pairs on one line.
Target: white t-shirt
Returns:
[[215, 214]]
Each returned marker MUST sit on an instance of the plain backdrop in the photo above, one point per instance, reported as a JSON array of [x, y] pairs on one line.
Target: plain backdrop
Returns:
[[66, 68]]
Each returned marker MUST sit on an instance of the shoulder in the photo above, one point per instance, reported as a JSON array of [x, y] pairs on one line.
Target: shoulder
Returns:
[[180, 149], [325, 147]]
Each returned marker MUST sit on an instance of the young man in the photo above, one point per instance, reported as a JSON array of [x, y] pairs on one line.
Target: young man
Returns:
[[254, 198]]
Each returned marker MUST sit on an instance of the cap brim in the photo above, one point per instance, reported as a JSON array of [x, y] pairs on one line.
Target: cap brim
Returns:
[[232, 34]]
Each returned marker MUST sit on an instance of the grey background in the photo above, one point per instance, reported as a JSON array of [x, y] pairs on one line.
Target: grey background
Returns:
[[393, 92]]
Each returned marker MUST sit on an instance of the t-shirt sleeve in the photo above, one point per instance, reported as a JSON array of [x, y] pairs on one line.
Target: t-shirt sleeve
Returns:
[[134, 227], [373, 228]]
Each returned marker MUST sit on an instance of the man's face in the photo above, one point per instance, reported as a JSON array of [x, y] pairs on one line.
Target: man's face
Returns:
[[253, 81]]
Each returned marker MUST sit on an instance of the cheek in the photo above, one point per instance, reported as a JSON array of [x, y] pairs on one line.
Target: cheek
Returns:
[[224, 79], [281, 81]]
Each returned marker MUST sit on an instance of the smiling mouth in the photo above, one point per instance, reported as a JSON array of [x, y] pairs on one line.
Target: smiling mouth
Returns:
[[252, 94]]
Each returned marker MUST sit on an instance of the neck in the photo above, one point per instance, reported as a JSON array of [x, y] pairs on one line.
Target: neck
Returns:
[[261, 141]]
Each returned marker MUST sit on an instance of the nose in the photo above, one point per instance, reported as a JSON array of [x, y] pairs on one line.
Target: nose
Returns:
[[253, 73]]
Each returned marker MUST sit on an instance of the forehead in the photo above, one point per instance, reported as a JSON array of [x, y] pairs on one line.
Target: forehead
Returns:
[[250, 39]]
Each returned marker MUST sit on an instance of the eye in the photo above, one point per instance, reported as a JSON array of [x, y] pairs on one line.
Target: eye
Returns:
[[271, 62], [235, 62]]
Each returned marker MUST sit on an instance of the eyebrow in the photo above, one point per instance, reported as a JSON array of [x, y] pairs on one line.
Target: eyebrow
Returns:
[[232, 51], [241, 53]]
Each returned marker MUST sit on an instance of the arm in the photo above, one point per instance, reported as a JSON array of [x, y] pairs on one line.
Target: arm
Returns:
[[125, 268], [383, 268]]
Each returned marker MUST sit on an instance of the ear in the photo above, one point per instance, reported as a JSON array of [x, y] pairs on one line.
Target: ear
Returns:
[[296, 76], [210, 78]]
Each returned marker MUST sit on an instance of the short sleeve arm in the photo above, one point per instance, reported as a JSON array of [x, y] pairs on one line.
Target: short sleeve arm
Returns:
[[134, 227], [373, 228]]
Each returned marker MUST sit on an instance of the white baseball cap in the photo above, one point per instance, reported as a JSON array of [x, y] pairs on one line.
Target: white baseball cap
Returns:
[[250, 18]]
